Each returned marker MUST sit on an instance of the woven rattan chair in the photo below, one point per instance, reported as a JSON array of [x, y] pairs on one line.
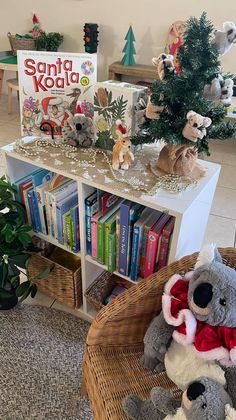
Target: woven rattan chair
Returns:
[[115, 343]]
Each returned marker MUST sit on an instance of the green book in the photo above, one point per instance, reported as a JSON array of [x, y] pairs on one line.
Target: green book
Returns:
[[110, 227], [111, 264], [101, 232], [69, 233]]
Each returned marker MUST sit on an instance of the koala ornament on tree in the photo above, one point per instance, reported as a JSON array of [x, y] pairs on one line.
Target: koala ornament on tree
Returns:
[[219, 89], [122, 156], [223, 40], [78, 130], [195, 128], [164, 64]]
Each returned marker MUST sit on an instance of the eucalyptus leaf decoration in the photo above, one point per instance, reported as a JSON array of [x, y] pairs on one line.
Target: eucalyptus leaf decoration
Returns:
[[15, 247]]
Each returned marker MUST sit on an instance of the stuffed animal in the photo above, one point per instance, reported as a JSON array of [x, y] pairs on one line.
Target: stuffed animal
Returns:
[[223, 40], [164, 64], [195, 128], [204, 399], [227, 92], [153, 111], [212, 91], [78, 130], [122, 156], [197, 324]]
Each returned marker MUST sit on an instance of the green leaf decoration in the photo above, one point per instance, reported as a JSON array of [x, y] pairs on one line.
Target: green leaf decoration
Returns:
[[24, 238], [33, 290], [23, 288], [119, 108]]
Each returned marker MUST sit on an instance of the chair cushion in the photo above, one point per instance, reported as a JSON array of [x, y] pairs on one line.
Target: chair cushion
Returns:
[[113, 373]]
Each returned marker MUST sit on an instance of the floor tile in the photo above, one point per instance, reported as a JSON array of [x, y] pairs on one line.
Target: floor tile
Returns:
[[220, 231], [40, 299], [224, 203], [227, 176]]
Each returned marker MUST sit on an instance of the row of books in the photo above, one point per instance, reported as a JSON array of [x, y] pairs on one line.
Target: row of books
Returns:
[[51, 206], [125, 236]]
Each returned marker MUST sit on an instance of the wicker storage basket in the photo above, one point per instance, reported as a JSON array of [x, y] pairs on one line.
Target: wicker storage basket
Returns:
[[102, 287], [62, 284], [21, 43]]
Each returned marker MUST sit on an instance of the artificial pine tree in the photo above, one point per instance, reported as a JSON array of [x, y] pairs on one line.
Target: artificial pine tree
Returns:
[[129, 49], [180, 93]]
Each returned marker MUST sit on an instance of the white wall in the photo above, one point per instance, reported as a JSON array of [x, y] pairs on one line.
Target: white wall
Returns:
[[150, 19]]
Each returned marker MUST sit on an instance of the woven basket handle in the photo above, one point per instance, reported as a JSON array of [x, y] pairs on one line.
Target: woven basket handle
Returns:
[[10, 40]]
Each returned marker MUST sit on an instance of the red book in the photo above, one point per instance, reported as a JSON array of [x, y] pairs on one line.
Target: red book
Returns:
[[165, 243], [22, 187], [108, 200], [152, 244]]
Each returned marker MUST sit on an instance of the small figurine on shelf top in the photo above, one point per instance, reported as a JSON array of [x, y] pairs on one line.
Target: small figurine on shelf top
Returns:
[[36, 30], [122, 155], [78, 129]]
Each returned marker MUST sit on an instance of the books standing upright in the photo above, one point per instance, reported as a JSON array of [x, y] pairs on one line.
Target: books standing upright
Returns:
[[51, 84]]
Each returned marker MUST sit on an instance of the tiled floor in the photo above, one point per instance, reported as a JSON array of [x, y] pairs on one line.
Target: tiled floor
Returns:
[[222, 221]]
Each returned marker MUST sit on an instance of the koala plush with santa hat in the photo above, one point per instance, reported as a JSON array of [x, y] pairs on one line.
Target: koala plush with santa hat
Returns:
[[78, 130]]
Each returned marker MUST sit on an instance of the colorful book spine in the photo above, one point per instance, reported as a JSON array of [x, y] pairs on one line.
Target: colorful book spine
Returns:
[[124, 228], [47, 211], [136, 245], [91, 207], [111, 263], [63, 207], [108, 200], [68, 228], [135, 213], [22, 187], [110, 227], [95, 219], [31, 208], [66, 239], [153, 244], [60, 193], [74, 213], [117, 239], [41, 205], [101, 231], [165, 243]]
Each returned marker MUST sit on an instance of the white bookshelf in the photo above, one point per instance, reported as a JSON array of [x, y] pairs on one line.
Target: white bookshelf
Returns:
[[190, 208]]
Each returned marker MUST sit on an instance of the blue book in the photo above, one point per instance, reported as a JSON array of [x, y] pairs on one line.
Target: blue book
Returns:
[[91, 207], [39, 177], [30, 194], [63, 207], [136, 243], [135, 212], [124, 231]]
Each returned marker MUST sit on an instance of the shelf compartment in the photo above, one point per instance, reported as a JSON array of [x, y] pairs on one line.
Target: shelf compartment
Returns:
[[93, 261]]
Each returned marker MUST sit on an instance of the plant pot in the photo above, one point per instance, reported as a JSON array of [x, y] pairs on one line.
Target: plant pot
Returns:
[[8, 303], [177, 159]]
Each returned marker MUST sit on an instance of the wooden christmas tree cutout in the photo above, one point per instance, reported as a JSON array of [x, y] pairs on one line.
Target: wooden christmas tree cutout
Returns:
[[129, 49]]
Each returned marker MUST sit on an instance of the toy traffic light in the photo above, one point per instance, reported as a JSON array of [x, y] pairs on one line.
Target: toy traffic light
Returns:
[[91, 37]]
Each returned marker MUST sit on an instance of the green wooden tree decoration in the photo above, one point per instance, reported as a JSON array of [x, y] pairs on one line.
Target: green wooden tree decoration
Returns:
[[129, 49]]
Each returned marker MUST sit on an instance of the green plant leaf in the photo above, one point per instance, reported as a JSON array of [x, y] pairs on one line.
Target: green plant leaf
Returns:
[[33, 290], [43, 273], [3, 273], [15, 281], [24, 238], [23, 288], [24, 228], [20, 260]]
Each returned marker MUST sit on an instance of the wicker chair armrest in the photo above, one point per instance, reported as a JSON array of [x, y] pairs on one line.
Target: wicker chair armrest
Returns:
[[124, 321]]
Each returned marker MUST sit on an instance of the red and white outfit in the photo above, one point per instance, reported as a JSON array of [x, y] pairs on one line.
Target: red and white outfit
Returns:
[[209, 342]]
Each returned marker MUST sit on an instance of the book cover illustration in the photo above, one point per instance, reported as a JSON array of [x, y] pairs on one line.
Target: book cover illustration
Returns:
[[51, 85]]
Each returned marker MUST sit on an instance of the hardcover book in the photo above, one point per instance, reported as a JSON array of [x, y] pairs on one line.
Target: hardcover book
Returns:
[[91, 207], [111, 264], [51, 85], [153, 243], [63, 207], [95, 219], [165, 243]]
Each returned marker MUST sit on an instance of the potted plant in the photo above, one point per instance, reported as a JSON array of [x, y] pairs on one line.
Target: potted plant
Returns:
[[49, 42], [15, 250]]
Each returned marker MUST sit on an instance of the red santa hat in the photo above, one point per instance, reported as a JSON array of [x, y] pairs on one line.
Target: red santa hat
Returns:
[[35, 19], [49, 101], [121, 128]]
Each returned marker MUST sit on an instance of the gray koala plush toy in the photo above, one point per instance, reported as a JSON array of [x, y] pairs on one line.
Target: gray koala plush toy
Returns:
[[203, 399], [223, 40], [195, 333], [78, 131]]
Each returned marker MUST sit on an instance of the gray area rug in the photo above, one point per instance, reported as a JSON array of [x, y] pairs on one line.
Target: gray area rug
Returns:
[[41, 353]]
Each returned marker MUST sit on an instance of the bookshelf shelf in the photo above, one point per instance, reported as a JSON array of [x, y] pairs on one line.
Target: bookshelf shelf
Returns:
[[104, 267], [53, 241], [190, 208]]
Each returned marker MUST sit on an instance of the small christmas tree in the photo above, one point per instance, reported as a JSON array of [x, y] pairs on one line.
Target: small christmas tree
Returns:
[[129, 49], [178, 94]]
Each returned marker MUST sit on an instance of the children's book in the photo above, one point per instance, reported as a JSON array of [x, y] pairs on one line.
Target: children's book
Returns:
[[31, 216], [91, 207], [108, 200], [135, 213], [67, 229], [63, 207], [165, 243], [153, 242], [74, 214], [51, 85], [22, 187], [143, 253], [110, 227], [137, 242], [95, 219], [111, 264], [117, 239], [101, 232]]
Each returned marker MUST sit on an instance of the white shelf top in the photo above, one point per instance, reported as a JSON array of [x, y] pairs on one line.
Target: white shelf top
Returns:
[[100, 176]]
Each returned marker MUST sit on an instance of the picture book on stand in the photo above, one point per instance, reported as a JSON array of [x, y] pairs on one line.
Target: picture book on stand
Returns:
[[51, 85]]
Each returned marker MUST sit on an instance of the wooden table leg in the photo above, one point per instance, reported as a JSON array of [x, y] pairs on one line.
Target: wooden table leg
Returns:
[[1, 79]]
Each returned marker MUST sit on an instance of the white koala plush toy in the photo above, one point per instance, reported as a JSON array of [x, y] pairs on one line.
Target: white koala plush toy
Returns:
[[227, 92], [224, 40], [164, 64], [195, 127]]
